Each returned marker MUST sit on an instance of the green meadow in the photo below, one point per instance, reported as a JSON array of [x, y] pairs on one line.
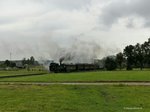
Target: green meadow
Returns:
[[69, 98], [18, 72], [84, 76], [75, 98]]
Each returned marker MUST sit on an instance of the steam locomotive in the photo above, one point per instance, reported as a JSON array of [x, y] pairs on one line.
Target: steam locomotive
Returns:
[[60, 68]]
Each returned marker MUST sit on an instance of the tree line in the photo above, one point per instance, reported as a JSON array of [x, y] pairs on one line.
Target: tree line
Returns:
[[133, 56], [29, 61], [24, 62]]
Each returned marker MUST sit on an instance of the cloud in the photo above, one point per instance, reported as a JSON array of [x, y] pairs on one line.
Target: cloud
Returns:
[[117, 9], [40, 27]]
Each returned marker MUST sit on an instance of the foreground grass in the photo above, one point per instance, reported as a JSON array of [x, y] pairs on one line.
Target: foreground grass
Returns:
[[88, 76], [61, 98]]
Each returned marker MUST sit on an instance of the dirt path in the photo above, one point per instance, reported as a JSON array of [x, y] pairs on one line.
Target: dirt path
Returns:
[[77, 83]]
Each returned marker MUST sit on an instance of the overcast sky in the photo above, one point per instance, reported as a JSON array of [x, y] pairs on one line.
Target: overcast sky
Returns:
[[41, 27]]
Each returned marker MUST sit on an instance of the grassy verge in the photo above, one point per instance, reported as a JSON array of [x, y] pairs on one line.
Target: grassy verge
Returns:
[[88, 76], [60, 98]]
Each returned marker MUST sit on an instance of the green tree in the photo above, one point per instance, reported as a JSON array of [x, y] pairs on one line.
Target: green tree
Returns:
[[110, 63], [129, 54], [139, 55], [12, 64], [120, 59], [24, 61], [32, 60], [146, 51], [7, 63]]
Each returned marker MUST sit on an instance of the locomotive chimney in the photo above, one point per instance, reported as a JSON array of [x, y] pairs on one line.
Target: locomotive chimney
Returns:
[[61, 60]]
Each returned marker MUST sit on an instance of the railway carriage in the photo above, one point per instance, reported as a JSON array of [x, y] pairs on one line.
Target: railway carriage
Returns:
[[55, 67]]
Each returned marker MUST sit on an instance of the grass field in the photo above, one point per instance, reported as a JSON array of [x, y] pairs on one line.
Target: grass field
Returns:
[[18, 72], [59, 98], [75, 98], [86, 76]]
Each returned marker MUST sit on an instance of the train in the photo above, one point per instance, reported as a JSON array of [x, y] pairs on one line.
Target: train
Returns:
[[60, 68]]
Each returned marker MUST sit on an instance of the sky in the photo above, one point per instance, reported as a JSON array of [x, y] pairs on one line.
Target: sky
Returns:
[[47, 29]]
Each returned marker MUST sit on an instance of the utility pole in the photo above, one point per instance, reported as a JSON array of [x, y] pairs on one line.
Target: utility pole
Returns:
[[10, 55]]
